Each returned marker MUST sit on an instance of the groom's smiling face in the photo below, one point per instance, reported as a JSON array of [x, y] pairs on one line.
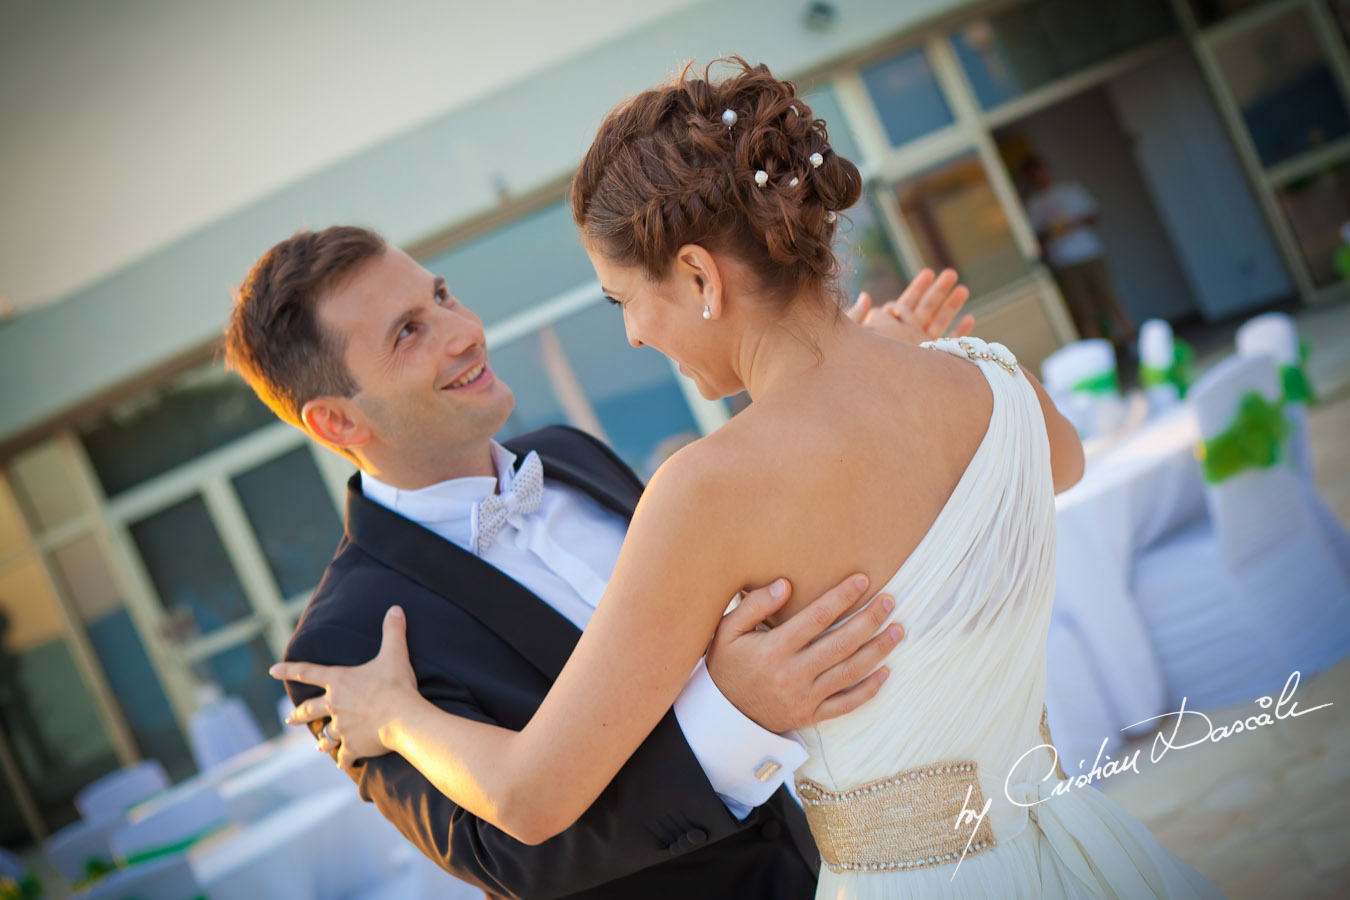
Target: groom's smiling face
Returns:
[[419, 359]]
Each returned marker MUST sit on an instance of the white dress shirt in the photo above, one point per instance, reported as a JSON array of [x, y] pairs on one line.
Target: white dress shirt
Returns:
[[565, 553]]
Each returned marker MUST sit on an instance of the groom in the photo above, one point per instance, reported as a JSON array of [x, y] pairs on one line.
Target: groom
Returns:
[[498, 570]]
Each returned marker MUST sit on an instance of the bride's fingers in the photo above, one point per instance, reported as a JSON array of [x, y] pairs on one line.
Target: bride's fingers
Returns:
[[320, 707], [950, 307], [849, 700], [305, 673], [931, 301], [909, 297], [859, 664]]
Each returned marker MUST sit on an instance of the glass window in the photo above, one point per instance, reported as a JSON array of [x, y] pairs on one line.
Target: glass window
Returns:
[[293, 515], [13, 531], [82, 571], [43, 485], [517, 266], [1022, 48], [632, 390], [1281, 82], [1207, 12], [824, 105], [907, 96], [242, 672], [957, 221], [190, 569], [1318, 209], [866, 259], [139, 439], [48, 715], [518, 365]]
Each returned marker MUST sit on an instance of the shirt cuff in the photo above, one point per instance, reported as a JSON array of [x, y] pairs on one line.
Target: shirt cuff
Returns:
[[744, 763]]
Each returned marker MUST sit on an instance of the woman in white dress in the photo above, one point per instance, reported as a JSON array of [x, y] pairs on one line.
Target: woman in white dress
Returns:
[[709, 210]]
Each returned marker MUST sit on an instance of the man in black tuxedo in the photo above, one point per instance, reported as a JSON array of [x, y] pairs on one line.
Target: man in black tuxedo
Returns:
[[497, 562]]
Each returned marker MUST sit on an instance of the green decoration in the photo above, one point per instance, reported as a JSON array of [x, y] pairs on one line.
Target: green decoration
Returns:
[[1179, 374], [1255, 440], [1099, 385]]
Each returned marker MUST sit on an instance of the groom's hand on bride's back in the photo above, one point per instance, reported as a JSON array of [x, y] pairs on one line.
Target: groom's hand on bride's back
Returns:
[[784, 678]]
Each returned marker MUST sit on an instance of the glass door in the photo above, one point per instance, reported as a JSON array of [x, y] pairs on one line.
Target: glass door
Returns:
[[1281, 74]]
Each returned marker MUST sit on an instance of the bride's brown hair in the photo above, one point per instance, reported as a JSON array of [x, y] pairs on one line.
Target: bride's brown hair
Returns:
[[665, 171]]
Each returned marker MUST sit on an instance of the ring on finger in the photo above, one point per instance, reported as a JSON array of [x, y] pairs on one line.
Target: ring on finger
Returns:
[[328, 734]]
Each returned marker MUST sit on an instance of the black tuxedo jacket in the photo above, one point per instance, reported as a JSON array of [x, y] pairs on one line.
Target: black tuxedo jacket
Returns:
[[486, 648]]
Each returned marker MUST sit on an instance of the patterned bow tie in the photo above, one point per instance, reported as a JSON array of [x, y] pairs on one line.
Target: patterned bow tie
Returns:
[[523, 499]]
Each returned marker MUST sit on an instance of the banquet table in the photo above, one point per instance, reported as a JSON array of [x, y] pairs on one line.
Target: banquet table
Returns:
[[330, 844], [1102, 673]]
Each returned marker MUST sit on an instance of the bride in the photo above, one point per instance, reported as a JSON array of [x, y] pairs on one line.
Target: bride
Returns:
[[709, 210]]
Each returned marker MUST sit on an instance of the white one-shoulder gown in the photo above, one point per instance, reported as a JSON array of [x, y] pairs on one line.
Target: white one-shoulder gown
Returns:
[[962, 709]]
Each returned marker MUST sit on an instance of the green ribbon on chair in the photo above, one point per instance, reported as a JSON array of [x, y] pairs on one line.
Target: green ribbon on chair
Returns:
[[1178, 374], [1099, 385], [27, 888], [1255, 440], [176, 847], [1297, 387]]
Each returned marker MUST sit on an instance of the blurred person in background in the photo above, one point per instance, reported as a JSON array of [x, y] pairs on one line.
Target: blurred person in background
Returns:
[[1065, 217]]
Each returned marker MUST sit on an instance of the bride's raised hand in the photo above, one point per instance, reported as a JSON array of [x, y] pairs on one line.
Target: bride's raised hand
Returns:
[[922, 312], [358, 701]]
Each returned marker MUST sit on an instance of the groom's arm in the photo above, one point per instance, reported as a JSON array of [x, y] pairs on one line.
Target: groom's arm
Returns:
[[645, 817]]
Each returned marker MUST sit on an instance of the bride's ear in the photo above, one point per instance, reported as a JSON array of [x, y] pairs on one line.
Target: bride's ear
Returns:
[[700, 274]]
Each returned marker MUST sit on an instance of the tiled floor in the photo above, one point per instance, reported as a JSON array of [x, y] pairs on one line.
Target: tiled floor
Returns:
[[1266, 813]]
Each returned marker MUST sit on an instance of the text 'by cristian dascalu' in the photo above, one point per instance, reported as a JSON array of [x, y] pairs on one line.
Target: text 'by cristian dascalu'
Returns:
[[1284, 708]]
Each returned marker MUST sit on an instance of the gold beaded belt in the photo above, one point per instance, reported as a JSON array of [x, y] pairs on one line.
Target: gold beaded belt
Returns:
[[903, 821]]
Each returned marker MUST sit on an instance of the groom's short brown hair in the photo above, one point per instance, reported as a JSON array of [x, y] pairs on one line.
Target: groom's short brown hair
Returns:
[[274, 339]]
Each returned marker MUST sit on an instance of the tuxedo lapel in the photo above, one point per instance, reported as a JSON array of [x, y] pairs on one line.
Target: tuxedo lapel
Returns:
[[516, 615], [536, 630]]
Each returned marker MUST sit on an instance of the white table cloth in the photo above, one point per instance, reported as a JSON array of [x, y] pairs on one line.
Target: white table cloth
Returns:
[[1134, 492], [324, 847]]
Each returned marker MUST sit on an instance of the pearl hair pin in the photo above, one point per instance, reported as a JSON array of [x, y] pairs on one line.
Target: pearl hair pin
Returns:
[[831, 216], [729, 118], [792, 183], [816, 159], [761, 178]]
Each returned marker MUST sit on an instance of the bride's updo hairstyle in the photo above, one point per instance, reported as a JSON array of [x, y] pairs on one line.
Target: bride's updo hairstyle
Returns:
[[665, 170]]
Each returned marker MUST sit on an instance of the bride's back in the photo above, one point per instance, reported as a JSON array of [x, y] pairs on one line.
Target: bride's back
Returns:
[[854, 460]]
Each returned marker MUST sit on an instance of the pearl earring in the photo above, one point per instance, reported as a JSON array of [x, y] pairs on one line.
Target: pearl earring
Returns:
[[707, 313]]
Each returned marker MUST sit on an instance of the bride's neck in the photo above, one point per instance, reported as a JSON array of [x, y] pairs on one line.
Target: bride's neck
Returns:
[[777, 348]]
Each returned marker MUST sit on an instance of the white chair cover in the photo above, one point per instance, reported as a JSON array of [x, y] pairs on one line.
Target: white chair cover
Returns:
[[167, 878], [1236, 604], [222, 730], [1156, 350], [112, 794], [174, 825], [1078, 707], [1274, 335], [1092, 413], [79, 844]]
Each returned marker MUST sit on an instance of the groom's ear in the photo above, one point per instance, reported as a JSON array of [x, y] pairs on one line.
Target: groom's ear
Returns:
[[336, 422], [699, 270]]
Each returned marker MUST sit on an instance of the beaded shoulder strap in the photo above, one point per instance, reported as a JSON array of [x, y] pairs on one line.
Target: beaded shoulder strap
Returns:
[[975, 349]]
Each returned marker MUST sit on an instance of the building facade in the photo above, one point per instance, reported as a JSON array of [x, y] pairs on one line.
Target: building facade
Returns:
[[160, 531]]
